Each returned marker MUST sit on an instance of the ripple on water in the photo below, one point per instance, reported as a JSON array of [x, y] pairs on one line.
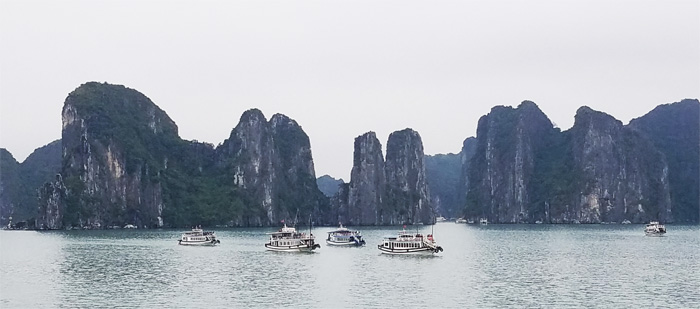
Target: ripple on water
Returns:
[[485, 267]]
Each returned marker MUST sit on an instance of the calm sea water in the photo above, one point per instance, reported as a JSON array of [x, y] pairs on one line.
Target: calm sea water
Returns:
[[534, 266]]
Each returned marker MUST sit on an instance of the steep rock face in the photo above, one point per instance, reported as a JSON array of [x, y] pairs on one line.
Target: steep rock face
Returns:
[[385, 192], [508, 143], [674, 130], [20, 182], [408, 198], [367, 183], [124, 163], [52, 196], [339, 205], [250, 157], [443, 176], [271, 162], [524, 170], [465, 158], [115, 145], [41, 166], [622, 176], [9, 185], [297, 191]]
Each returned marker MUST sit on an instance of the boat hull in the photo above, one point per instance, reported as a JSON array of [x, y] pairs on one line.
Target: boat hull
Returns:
[[406, 251], [655, 234], [344, 243], [296, 248], [199, 243]]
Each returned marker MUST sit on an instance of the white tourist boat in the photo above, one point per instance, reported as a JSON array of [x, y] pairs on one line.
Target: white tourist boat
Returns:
[[484, 221], [198, 237], [408, 243], [461, 220], [344, 237], [655, 229], [287, 239]]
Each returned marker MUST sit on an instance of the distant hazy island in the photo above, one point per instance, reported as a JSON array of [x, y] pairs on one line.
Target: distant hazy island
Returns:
[[121, 161]]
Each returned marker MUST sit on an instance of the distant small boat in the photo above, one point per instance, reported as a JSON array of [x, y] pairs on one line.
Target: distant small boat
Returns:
[[461, 220], [130, 226], [626, 221], [408, 244], [198, 237], [344, 237], [538, 222], [287, 239], [654, 228], [440, 219], [484, 221]]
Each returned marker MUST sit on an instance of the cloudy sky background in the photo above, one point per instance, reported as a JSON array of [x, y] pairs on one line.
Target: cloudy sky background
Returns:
[[342, 68]]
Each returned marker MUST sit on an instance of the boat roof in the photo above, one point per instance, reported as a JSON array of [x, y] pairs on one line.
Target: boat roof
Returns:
[[341, 228], [285, 229], [404, 234]]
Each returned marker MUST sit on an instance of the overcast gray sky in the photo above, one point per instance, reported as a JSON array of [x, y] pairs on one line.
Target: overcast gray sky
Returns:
[[342, 68]]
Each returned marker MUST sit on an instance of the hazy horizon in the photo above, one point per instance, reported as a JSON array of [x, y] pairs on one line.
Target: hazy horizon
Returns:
[[341, 69]]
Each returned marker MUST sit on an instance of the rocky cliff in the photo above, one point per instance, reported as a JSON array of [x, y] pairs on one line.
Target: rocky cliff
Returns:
[[408, 199], [9, 185], [385, 192], [52, 206], [508, 143], [443, 176], [367, 183], [116, 144], [674, 129], [297, 192], [20, 182], [248, 155], [621, 175], [465, 159], [124, 163], [271, 163], [525, 170]]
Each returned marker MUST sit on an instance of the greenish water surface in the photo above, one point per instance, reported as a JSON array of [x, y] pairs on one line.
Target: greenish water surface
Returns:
[[492, 266]]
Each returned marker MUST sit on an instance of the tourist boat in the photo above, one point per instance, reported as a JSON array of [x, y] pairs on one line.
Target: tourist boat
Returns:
[[484, 221], [344, 237], [287, 239], [408, 243], [198, 237], [655, 229], [461, 220]]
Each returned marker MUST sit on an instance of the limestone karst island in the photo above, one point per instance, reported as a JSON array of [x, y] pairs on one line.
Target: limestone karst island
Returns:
[[121, 161]]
